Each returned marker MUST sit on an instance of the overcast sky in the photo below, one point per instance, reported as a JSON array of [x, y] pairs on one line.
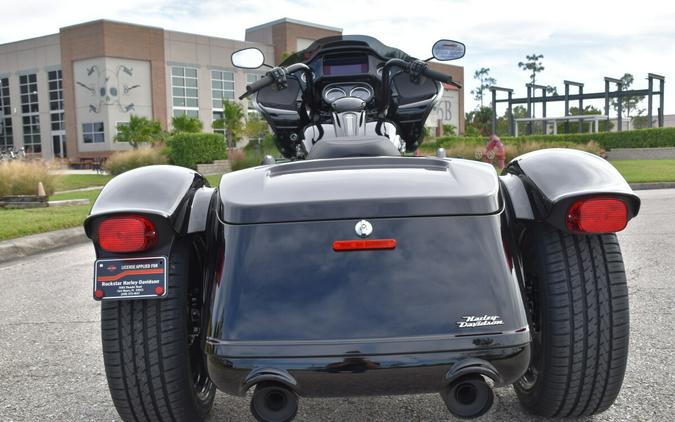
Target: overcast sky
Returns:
[[580, 40]]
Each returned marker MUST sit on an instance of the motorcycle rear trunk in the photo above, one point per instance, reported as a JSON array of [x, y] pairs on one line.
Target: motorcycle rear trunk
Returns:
[[287, 307]]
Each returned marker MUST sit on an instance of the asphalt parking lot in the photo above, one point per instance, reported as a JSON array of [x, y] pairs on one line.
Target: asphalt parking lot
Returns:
[[51, 366]]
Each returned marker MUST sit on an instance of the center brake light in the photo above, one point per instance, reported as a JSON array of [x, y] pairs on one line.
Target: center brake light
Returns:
[[130, 233], [597, 215], [363, 245]]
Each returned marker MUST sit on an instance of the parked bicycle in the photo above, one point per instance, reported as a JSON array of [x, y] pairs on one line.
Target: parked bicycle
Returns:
[[9, 153]]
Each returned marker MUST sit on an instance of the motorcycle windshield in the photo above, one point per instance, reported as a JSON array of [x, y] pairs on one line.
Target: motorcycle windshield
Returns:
[[380, 49]]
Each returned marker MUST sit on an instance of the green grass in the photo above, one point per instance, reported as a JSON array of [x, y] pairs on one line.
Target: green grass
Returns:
[[639, 171], [214, 180], [78, 181], [17, 223]]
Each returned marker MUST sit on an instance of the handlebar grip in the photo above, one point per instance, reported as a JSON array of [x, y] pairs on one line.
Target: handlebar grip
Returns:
[[439, 76], [259, 84]]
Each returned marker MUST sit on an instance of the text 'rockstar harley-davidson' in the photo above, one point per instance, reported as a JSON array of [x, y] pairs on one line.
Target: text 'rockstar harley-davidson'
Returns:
[[352, 270]]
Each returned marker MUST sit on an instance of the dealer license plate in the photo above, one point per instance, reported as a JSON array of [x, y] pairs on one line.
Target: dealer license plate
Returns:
[[131, 278]]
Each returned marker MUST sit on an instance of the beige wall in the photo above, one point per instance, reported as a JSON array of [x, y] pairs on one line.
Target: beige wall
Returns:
[[36, 55], [287, 34], [112, 40], [457, 73], [113, 90], [446, 111], [206, 54]]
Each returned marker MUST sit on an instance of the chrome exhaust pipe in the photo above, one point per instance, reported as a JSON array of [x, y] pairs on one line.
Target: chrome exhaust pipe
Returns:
[[468, 397], [273, 402]]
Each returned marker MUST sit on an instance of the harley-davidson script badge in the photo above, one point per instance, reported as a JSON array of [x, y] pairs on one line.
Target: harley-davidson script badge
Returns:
[[480, 321]]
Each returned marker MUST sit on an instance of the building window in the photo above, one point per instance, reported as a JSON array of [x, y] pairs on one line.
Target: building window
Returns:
[[222, 87], [55, 82], [5, 115], [31, 133], [57, 121], [30, 113], [55, 79], [93, 133], [184, 91], [217, 115]]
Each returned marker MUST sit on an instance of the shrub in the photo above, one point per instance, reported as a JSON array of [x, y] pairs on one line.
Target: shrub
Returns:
[[641, 138], [472, 150], [120, 162], [449, 130], [22, 178], [267, 147], [190, 149], [244, 159]]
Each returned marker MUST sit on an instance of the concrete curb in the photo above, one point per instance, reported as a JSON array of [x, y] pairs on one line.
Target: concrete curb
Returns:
[[654, 185], [38, 243], [79, 190], [68, 202]]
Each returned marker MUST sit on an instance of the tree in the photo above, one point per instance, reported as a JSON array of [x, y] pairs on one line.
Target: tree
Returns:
[[519, 112], [187, 124], [139, 130], [233, 115], [256, 127], [532, 65], [589, 110], [640, 121], [485, 82], [629, 103], [480, 120], [551, 90]]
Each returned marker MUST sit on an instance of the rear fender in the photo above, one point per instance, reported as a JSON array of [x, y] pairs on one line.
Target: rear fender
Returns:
[[543, 184], [176, 199]]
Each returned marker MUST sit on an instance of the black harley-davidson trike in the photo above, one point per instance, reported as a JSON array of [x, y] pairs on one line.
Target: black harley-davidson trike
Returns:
[[350, 269]]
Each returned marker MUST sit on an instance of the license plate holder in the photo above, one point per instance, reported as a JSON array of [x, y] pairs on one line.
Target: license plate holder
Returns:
[[130, 278]]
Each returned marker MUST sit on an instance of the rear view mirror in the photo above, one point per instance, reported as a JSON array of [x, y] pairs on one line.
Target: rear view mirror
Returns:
[[248, 58], [444, 50]]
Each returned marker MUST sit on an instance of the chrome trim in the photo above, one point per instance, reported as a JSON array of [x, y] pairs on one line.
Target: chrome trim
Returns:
[[335, 88], [433, 100], [419, 103], [362, 87]]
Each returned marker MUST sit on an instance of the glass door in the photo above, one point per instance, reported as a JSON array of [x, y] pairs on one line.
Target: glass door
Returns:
[[59, 145]]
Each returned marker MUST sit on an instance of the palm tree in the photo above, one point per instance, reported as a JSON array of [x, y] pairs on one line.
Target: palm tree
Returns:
[[233, 114], [187, 124], [139, 130]]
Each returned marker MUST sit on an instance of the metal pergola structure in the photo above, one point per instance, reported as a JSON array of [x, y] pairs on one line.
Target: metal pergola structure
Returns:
[[532, 99]]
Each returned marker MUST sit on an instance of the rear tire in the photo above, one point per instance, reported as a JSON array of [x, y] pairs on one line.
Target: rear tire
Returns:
[[578, 297], [153, 372]]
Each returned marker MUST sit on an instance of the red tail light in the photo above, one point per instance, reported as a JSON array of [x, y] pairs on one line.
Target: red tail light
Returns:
[[363, 245], [127, 234], [597, 215]]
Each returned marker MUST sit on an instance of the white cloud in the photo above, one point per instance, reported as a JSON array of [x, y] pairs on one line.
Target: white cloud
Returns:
[[581, 40]]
